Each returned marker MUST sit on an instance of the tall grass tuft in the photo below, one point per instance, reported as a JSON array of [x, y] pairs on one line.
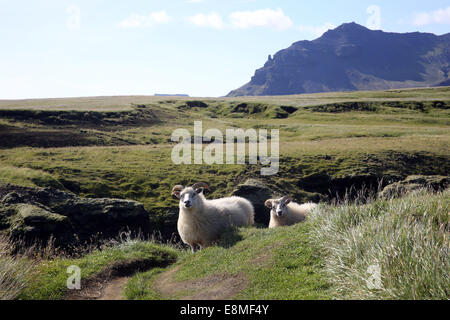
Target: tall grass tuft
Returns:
[[386, 248], [15, 271]]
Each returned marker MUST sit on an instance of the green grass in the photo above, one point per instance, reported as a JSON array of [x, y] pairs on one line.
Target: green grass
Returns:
[[329, 256], [139, 286], [331, 135], [278, 264], [141, 173], [15, 271], [27, 177], [146, 174], [50, 277], [406, 239], [150, 120]]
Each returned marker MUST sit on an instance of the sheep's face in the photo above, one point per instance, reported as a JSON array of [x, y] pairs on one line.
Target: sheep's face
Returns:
[[190, 198], [278, 206]]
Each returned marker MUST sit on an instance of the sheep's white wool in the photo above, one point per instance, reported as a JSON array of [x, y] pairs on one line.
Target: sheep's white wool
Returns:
[[204, 223], [295, 213]]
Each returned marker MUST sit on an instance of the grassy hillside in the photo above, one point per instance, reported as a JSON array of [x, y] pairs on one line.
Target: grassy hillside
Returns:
[[248, 264], [327, 257]]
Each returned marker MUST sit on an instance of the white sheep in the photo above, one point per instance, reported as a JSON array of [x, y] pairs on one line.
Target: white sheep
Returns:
[[284, 212], [202, 221]]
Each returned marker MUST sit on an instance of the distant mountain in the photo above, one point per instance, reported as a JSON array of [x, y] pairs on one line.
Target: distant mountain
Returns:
[[352, 57]]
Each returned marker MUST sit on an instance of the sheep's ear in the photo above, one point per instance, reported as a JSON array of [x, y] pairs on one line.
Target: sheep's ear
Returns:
[[286, 199], [176, 191], [176, 194], [268, 203], [199, 190]]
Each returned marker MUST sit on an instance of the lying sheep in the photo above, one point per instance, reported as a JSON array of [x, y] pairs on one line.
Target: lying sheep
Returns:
[[284, 212], [202, 221]]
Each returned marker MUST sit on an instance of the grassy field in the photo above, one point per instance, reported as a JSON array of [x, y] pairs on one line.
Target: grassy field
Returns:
[[133, 161], [120, 147], [126, 102]]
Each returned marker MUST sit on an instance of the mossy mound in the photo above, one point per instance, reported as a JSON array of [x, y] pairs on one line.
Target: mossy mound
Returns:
[[37, 214], [415, 182]]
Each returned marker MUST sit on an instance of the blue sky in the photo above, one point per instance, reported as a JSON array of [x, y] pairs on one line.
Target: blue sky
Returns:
[[66, 48]]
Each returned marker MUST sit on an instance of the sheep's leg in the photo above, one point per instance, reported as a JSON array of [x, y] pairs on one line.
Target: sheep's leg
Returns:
[[193, 248]]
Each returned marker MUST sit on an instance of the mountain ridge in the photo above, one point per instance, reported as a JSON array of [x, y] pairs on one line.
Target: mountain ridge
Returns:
[[352, 58]]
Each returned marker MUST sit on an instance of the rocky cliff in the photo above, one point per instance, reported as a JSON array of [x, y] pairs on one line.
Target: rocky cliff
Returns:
[[352, 57]]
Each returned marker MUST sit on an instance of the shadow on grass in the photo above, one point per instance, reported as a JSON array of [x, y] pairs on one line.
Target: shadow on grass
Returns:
[[230, 237]]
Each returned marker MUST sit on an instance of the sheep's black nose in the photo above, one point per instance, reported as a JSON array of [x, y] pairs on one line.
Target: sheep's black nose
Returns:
[[280, 213], [187, 203]]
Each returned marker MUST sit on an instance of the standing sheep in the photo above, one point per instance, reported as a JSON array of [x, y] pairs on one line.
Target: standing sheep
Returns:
[[284, 212], [202, 221]]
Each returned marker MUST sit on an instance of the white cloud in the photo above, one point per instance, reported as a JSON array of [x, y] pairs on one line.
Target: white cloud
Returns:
[[268, 18], [440, 16], [212, 20], [316, 30], [138, 21], [160, 17], [261, 18]]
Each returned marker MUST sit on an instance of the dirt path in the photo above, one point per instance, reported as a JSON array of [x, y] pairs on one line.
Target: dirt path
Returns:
[[110, 283], [215, 287], [113, 290], [220, 286], [100, 289]]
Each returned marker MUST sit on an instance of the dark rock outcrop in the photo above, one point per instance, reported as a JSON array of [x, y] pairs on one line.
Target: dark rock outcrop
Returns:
[[196, 104], [346, 187], [352, 57], [38, 213], [257, 193]]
